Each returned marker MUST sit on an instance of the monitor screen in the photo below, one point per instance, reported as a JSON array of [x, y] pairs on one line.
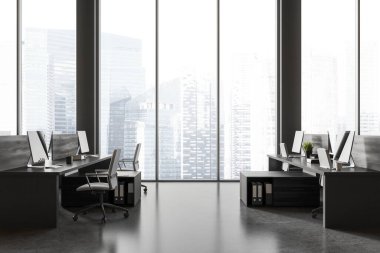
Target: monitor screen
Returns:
[[340, 140], [83, 142], [64, 145], [297, 143], [37, 147], [324, 158], [346, 152], [283, 150]]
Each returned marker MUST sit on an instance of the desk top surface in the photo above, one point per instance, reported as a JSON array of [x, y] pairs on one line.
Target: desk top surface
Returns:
[[314, 167], [274, 174], [65, 168]]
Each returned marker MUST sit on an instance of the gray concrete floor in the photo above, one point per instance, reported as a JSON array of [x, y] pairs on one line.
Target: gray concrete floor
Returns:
[[192, 217]]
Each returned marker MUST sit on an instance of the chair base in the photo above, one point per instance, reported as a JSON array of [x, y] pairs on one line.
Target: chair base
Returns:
[[315, 211], [145, 188], [102, 205]]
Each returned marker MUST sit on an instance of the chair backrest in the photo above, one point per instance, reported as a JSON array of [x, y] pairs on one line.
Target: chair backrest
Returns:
[[137, 153], [112, 170]]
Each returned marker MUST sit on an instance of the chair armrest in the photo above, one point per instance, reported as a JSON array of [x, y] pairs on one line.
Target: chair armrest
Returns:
[[126, 160], [101, 171], [97, 175]]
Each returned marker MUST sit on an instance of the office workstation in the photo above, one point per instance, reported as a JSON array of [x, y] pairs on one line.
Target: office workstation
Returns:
[[347, 199], [34, 188], [189, 126]]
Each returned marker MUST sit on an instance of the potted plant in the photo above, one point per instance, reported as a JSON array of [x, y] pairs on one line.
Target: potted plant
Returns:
[[308, 148]]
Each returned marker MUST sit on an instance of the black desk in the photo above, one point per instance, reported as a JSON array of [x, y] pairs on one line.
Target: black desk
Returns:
[[351, 197], [30, 196]]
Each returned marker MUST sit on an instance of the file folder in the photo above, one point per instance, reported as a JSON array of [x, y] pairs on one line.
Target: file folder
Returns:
[[259, 193], [268, 194], [254, 193], [130, 196], [116, 194], [119, 194]]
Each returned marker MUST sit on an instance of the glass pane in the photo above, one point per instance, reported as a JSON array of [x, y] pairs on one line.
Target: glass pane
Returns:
[[248, 85], [328, 65], [128, 80], [8, 67], [49, 65], [187, 89], [369, 67]]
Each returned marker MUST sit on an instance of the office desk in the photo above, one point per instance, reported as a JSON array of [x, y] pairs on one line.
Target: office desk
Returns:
[[351, 197], [30, 196]]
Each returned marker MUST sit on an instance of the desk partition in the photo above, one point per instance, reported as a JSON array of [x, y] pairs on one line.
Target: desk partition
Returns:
[[64, 145], [366, 152], [14, 151]]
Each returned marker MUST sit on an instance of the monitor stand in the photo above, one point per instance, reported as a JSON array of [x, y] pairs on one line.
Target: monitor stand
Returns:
[[38, 165], [45, 164]]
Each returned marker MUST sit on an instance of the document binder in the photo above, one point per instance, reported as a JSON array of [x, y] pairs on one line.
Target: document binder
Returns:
[[268, 194], [119, 194], [254, 193], [130, 196], [259, 193]]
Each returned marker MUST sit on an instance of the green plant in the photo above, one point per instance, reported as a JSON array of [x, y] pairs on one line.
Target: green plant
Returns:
[[307, 146]]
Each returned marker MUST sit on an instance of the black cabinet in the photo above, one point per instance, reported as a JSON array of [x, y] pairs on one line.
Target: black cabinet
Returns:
[[288, 189]]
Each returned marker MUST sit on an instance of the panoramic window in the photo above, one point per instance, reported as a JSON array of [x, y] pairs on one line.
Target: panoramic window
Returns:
[[248, 85], [328, 66], [369, 67], [127, 87], [187, 90], [49, 66], [8, 67]]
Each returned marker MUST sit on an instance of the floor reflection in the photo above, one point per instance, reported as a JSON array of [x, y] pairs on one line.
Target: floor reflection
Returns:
[[190, 217]]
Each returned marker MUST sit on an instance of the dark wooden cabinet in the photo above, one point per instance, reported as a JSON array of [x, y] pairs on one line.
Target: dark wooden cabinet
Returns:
[[289, 189]]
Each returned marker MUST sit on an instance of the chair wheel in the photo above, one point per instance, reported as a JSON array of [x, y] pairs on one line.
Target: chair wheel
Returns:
[[75, 217], [145, 190], [126, 214]]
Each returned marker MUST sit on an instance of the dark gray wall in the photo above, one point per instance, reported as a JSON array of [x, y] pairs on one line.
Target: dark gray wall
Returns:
[[289, 70], [87, 74]]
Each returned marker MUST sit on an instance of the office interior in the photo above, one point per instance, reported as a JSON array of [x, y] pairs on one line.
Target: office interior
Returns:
[[189, 126]]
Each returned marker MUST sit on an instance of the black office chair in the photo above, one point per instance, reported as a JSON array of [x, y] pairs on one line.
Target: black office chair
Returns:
[[135, 163], [101, 188]]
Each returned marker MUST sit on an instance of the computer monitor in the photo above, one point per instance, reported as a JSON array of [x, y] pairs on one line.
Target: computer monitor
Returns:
[[297, 142], [324, 158], [83, 144], [63, 145], [37, 147], [345, 155], [341, 141], [283, 150]]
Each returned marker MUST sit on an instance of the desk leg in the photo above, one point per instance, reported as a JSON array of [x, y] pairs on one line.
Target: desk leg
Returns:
[[274, 165], [28, 200], [351, 200]]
